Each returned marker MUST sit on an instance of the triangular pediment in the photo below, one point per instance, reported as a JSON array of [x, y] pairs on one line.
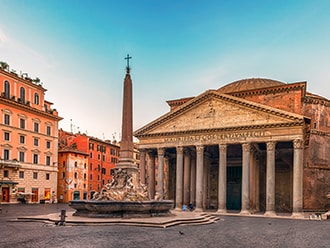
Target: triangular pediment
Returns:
[[212, 110]]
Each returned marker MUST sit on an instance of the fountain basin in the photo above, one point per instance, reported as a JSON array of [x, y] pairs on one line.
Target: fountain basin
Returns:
[[121, 209]]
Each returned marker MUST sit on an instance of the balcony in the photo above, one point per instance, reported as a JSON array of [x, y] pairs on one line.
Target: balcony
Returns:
[[14, 164]]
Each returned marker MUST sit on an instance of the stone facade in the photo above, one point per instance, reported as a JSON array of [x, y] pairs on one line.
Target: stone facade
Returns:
[[252, 145]]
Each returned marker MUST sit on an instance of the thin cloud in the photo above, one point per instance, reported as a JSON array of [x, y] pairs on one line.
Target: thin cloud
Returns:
[[3, 37]]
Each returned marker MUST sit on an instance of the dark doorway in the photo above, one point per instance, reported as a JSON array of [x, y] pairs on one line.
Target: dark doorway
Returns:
[[5, 194], [234, 187]]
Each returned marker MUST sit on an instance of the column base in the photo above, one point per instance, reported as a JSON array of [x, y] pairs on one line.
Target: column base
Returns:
[[198, 210], [298, 215], [221, 211], [270, 213], [244, 212]]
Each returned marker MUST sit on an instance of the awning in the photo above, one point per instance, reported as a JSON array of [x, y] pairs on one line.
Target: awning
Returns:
[[8, 182]]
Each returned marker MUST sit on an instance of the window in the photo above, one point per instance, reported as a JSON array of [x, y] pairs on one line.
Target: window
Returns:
[[48, 130], [90, 166], [7, 89], [22, 94], [35, 175], [5, 173], [21, 156], [36, 127], [22, 123], [103, 171], [76, 175], [85, 165], [91, 155], [91, 146], [63, 174], [48, 144], [21, 174], [85, 176], [36, 98], [47, 176], [98, 167], [63, 164], [47, 160], [36, 142], [91, 177], [103, 158], [6, 136], [98, 156], [6, 154], [75, 164], [7, 119], [35, 158], [22, 139]]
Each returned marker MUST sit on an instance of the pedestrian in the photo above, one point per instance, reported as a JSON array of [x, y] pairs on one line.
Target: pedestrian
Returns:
[[53, 197]]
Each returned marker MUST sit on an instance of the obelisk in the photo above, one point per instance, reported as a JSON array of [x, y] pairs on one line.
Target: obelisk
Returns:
[[126, 152]]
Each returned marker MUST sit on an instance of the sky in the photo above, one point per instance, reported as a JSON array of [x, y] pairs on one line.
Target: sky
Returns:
[[179, 48]]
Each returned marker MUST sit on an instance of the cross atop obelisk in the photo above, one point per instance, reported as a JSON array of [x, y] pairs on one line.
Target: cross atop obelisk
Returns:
[[127, 67]]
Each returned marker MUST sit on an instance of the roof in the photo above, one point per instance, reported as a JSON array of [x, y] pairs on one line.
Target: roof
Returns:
[[249, 84]]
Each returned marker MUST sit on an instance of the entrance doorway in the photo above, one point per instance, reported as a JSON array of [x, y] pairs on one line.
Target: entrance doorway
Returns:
[[5, 194], [234, 187]]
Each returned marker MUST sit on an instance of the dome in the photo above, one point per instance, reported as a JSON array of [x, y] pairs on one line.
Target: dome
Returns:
[[249, 84]]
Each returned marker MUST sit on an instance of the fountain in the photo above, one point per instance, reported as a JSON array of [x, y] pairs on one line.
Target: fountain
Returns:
[[124, 196]]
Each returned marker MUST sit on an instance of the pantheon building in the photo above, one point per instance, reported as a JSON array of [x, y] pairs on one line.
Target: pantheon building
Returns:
[[253, 145]]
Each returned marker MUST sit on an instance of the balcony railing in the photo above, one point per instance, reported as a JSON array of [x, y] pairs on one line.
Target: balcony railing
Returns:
[[10, 164]]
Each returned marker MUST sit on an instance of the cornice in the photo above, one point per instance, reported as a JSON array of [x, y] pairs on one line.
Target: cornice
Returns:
[[272, 90], [316, 100], [319, 133], [227, 129], [28, 108]]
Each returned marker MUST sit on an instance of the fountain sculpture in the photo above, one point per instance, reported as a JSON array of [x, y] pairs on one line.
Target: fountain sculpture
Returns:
[[124, 196]]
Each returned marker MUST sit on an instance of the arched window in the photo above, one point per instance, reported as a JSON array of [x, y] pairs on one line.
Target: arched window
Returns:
[[36, 98], [22, 94], [7, 89]]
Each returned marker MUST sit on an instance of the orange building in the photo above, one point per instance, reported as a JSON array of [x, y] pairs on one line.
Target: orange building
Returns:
[[29, 140], [72, 176], [101, 158]]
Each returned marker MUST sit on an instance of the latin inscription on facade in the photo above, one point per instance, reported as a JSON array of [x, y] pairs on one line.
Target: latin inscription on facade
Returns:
[[217, 137]]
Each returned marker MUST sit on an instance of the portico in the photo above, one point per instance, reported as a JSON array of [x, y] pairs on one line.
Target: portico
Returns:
[[224, 153]]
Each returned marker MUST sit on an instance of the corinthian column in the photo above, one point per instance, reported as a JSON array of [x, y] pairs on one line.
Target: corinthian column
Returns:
[[222, 181], [297, 178], [151, 174], [199, 177], [270, 180], [160, 181], [179, 177], [143, 166], [245, 178], [186, 177]]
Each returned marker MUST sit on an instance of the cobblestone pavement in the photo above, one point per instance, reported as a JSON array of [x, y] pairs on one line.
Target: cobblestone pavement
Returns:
[[229, 231]]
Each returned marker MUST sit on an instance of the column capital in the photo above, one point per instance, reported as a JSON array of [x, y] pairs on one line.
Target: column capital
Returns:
[[223, 147], [270, 145], [151, 152], [199, 148], [161, 151], [298, 144], [246, 147], [179, 149], [142, 150]]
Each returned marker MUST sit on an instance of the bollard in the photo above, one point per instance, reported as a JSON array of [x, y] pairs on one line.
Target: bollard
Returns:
[[62, 219]]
